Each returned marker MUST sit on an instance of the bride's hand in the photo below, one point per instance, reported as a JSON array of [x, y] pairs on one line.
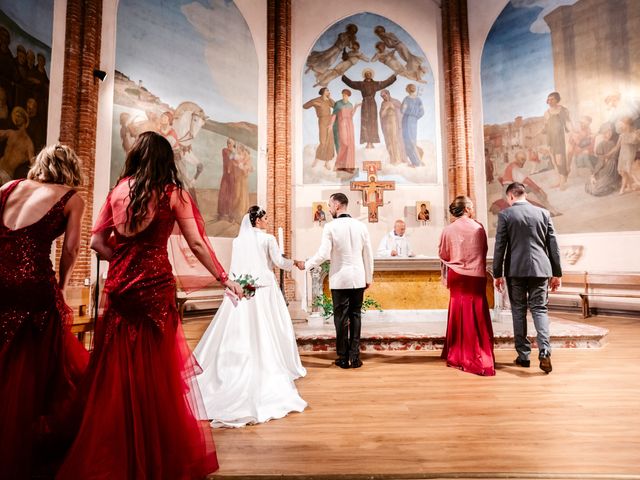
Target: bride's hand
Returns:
[[299, 264], [234, 287]]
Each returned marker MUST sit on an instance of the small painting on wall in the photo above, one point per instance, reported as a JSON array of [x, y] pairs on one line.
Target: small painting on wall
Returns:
[[422, 211], [319, 212]]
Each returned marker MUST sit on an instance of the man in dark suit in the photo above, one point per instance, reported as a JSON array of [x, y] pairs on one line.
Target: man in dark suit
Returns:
[[527, 253]]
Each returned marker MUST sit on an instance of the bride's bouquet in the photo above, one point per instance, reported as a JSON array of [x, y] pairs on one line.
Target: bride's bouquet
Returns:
[[248, 283], [249, 286]]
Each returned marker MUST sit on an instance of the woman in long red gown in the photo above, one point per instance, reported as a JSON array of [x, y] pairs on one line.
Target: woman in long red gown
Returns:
[[463, 251], [141, 395], [41, 362]]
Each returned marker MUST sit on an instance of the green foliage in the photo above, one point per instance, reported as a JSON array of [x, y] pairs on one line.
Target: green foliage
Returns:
[[326, 305]]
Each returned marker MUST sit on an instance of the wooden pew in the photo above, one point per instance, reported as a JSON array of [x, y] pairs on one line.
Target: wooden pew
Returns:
[[574, 284], [78, 300], [211, 295], [626, 285]]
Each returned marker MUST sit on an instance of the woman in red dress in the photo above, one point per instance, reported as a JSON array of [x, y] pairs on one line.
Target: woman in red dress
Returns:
[[141, 396], [463, 251], [41, 362]]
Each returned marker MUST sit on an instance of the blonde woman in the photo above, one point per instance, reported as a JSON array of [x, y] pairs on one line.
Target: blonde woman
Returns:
[[40, 360]]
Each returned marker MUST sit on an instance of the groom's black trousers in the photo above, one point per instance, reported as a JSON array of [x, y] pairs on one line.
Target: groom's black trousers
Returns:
[[347, 315]]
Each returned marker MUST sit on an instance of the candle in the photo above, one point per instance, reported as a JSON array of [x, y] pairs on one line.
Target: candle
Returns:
[[281, 240]]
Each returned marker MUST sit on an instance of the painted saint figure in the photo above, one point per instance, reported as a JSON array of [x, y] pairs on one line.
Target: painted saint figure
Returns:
[[556, 122], [369, 118], [413, 64], [349, 59], [226, 194], [342, 124], [320, 61], [323, 105], [19, 147], [391, 122], [412, 111]]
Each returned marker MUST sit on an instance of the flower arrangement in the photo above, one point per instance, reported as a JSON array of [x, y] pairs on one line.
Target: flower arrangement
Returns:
[[325, 304], [248, 283]]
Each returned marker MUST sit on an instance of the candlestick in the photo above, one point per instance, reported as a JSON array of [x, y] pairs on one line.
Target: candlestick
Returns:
[[281, 240]]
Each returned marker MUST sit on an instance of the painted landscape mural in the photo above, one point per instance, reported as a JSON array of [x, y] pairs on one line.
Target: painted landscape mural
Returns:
[[189, 71], [561, 102]]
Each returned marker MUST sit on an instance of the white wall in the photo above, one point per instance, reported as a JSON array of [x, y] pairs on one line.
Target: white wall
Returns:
[[602, 251], [422, 20]]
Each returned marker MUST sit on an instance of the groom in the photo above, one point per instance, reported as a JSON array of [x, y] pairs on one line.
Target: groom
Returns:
[[345, 242]]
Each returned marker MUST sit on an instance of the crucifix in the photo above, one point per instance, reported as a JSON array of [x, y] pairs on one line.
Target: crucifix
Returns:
[[372, 190]]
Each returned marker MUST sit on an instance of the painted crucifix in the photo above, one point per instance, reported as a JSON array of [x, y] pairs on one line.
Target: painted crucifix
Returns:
[[372, 190]]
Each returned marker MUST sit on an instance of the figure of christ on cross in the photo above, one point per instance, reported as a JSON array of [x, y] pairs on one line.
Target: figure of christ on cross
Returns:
[[372, 191]]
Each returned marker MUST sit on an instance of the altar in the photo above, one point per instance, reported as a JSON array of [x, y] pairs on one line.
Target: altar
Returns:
[[410, 284]]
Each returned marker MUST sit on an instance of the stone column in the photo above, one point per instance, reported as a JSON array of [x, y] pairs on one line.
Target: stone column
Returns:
[[457, 84], [279, 189]]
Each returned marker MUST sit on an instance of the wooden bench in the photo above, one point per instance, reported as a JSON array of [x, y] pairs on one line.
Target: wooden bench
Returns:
[[582, 284], [212, 295], [78, 300], [627, 285]]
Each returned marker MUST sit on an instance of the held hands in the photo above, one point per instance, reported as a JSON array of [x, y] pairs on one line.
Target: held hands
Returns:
[[554, 284], [394, 253], [299, 264], [234, 287], [499, 284]]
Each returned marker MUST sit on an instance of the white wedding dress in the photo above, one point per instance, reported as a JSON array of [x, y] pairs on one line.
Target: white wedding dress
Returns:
[[248, 354]]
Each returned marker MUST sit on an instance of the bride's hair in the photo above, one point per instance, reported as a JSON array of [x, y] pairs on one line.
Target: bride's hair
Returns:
[[255, 213]]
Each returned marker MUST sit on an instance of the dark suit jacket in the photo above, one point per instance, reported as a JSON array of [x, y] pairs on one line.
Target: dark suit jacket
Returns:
[[526, 243]]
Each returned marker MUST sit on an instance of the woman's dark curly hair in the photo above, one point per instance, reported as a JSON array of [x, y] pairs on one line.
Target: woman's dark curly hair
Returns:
[[150, 167], [255, 213]]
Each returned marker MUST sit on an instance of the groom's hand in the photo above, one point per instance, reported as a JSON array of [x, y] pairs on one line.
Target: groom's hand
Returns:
[[299, 264]]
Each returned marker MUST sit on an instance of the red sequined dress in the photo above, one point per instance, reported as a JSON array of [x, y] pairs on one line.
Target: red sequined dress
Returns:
[[41, 362], [142, 400]]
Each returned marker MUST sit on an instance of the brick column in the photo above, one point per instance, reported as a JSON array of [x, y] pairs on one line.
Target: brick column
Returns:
[[457, 84], [279, 188], [80, 108]]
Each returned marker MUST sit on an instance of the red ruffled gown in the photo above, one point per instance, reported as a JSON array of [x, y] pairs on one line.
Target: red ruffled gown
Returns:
[[140, 416], [41, 362]]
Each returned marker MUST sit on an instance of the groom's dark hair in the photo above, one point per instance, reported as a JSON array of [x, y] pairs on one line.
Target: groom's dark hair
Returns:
[[341, 198]]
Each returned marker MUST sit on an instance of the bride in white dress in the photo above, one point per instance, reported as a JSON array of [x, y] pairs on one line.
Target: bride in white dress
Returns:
[[248, 354]]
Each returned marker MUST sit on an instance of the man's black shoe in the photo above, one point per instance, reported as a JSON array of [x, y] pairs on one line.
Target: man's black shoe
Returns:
[[356, 363], [342, 363], [523, 363], [545, 361]]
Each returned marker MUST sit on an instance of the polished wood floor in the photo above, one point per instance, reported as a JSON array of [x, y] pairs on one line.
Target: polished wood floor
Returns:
[[406, 415]]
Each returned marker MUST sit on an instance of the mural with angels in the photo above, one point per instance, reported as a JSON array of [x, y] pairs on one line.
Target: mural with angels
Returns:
[[368, 95], [189, 71]]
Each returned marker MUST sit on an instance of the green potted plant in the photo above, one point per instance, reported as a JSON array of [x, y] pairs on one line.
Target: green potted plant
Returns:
[[325, 304]]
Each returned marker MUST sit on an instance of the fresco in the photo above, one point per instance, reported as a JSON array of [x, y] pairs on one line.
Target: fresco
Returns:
[[368, 95], [189, 71], [25, 58], [561, 105]]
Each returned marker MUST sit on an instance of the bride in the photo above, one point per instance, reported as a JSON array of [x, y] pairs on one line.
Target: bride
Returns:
[[248, 354]]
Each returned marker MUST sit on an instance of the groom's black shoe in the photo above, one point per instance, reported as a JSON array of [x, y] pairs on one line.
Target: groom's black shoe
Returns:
[[545, 361], [342, 362], [356, 362], [523, 363]]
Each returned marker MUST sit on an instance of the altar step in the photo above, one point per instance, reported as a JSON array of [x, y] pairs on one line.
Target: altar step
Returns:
[[425, 330]]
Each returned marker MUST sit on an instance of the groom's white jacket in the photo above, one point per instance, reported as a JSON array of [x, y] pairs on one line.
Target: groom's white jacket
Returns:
[[345, 242]]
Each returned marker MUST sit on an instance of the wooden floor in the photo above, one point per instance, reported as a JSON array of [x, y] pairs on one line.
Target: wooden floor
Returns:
[[406, 415]]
